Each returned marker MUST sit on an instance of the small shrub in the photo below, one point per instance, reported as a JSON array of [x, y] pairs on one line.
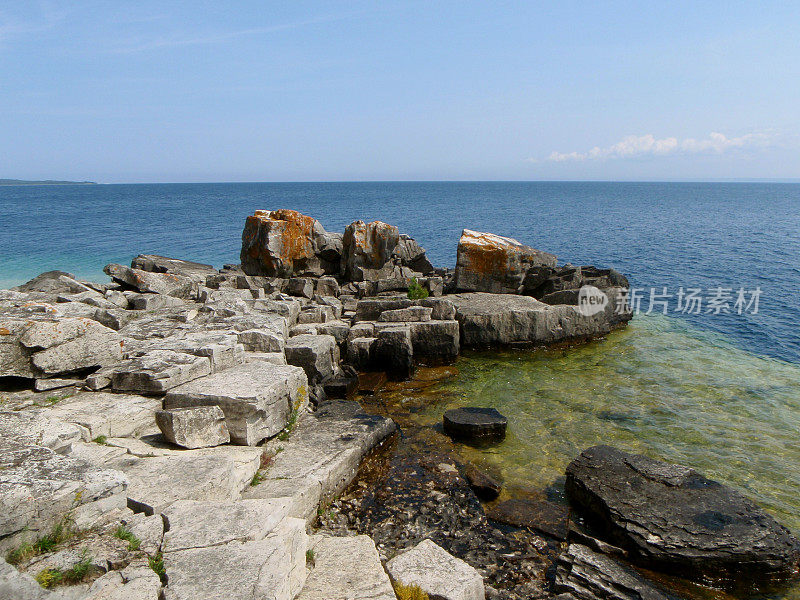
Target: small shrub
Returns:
[[416, 291], [124, 533], [101, 439], [409, 592]]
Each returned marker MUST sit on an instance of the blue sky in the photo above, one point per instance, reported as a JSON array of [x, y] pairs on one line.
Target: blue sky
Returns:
[[268, 91]]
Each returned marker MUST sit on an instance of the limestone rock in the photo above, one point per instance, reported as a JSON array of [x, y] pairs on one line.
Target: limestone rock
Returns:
[[281, 243], [475, 424], [367, 248], [300, 286], [273, 568], [158, 371], [436, 339], [437, 572], [318, 355], [152, 301], [412, 313], [185, 268], [194, 427], [412, 255], [256, 398], [502, 319], [672, 518], [492, 263], [157, 283], [327, 286], [346, 568], [261, 340], [108, 415], [394, 353], [134, 582]]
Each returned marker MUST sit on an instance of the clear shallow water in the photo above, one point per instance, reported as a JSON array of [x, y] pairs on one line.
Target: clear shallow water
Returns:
[[660, 387], [660, 234]]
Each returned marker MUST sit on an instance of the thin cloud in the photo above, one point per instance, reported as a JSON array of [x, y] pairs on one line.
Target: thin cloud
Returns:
[[648, 145]]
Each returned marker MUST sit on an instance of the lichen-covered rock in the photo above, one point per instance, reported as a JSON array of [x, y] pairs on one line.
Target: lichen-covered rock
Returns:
[[672, 518], [491, 263], [282, 243], [367, 250]]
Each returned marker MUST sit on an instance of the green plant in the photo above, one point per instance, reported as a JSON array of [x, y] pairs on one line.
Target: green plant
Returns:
[[156, 562], [101, 439], [409, 592], [310, 556], [257, 478], [416, 291], [124, 533], [61, 532], [48, 578], [290, 423]]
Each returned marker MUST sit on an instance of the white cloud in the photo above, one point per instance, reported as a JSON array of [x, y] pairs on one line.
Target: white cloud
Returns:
[[647, 145]]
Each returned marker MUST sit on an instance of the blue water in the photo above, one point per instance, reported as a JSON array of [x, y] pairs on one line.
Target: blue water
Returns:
[[695, 235]]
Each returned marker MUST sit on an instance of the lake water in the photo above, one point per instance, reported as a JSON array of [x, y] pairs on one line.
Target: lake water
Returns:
[[720, 392]]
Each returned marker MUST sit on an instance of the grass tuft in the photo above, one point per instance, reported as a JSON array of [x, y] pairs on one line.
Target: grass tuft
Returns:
[[62, 531], [409, 592], [48, 578], [101, 439], [156, 562], [310, 557], [124, 533]]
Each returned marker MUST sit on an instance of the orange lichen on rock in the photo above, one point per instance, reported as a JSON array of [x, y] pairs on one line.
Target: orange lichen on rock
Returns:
[[275, 242]]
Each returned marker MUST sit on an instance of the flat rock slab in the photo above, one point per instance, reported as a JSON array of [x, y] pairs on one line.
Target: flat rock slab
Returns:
[[38, 486], [539, 515], [194, 427], [322, 455], [256, 398], [134, 582], [318, 355], [158, 482], [475, 424], [106, 414], [157, 283], [158, 371], [36, 428], [199, 524], [273, 568], [508, 319], [437, 572], [587, 575], [346, 568], [672, 518]]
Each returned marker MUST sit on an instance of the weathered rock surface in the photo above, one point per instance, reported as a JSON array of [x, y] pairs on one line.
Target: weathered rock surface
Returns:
[[184, 268], [108, 415], [672, 518], [156, 283], [318, 355], [368, 249], [194, 427], [437, 572], [394, 353], [491, 263], [412, 255], [504, 319], [282, 243], [587, 575], [134, 582], [538, 515], [346, 568], [256, 398], [322, 455], [273, 568], [475, 424], [158, 371]]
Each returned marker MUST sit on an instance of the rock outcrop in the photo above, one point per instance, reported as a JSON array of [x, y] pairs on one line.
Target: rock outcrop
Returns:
[[491, 263], [368, 249], [672, 518]]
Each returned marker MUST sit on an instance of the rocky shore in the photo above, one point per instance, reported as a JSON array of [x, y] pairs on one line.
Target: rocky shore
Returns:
[[187, 432]]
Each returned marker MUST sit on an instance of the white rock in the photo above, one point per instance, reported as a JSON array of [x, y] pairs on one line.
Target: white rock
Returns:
[[158, 371], [437, 572], [194, 427]]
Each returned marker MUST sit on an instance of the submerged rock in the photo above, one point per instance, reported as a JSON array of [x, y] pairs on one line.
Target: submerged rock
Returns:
[[672, 518], [473, 424], [491, 263]]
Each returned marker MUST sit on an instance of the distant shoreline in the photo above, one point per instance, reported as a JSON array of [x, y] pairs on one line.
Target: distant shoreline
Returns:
[[44, 182]]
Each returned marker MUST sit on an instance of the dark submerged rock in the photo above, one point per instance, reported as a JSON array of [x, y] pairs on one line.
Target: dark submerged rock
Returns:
[[483, 484], [541, 516], [473, 424], [672, 518]]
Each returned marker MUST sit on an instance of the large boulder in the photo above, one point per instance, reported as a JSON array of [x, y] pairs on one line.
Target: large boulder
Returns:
[[282, 243], [367, 250], [412, 255], [491, 263], [318, 355], [672, 518]]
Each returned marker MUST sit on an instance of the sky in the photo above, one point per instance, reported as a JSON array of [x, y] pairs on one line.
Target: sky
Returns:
[[330, 91]]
